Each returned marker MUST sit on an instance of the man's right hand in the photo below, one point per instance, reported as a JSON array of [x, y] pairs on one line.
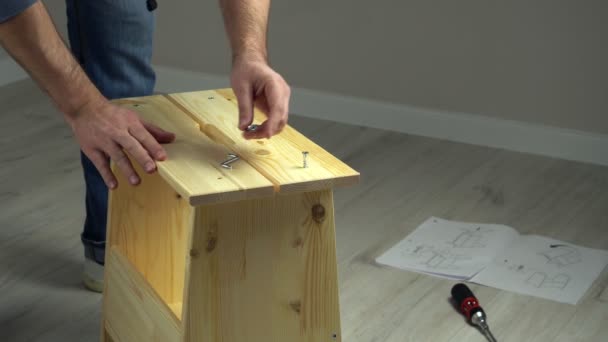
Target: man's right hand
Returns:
[[107, 132]]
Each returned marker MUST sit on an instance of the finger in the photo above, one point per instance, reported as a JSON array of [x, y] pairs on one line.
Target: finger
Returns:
[[244, 96], [123, 163], [162, 136], [277, 97], [260, 133], [136, 150], [149, 142], [102, 163]]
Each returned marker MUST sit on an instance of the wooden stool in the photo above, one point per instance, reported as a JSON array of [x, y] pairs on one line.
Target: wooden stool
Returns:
[[200, 252]]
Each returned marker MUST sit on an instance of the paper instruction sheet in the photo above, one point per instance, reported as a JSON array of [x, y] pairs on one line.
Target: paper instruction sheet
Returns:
[[498, 256]]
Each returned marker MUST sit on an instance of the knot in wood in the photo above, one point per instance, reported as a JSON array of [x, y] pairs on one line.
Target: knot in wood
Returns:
[[318, 213], [298, 242], [296, 306], [211, 242]]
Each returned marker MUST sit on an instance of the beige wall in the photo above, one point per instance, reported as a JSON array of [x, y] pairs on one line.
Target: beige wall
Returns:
[[542, 61]]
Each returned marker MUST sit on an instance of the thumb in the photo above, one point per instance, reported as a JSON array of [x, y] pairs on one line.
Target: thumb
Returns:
[[244, 97]]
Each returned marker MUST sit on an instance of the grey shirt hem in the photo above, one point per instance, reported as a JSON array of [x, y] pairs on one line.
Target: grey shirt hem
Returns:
[[12, 8]]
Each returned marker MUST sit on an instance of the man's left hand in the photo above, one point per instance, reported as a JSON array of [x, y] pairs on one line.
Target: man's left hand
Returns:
[[256, 84]]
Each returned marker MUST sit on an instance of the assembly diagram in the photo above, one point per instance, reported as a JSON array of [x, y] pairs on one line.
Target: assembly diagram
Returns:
[[542, 280], [434, 258], [470, 238], [562, 255]]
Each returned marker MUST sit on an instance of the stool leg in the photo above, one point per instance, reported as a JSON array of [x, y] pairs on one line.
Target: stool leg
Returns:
[[149, 226]]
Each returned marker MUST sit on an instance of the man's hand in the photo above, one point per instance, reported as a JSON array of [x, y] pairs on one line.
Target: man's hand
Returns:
[[106, 131], [256, 84], [103, 130], [253, 81]]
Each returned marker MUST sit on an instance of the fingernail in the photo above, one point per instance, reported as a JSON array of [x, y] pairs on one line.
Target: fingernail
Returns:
[[161, 156], [149, 166], [112, 185], [134, 180]]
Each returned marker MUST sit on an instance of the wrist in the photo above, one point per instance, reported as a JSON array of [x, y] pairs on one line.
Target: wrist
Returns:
[[90, 105], [249, 56]]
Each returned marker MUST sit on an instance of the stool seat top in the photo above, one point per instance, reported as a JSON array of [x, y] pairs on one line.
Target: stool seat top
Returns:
[[205, 125]]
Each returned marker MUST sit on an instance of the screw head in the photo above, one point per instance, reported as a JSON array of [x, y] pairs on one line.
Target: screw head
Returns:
[[252, 128], [305, 161]]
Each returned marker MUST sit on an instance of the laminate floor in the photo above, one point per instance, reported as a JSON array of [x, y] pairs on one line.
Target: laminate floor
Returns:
[[405, 179]]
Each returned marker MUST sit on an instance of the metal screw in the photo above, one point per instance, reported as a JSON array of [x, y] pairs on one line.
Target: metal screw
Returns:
[[252, 128], [231, 159], [305, 159]]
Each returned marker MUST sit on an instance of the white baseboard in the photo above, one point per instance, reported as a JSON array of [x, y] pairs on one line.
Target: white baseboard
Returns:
[[10, 71], [467, 128]]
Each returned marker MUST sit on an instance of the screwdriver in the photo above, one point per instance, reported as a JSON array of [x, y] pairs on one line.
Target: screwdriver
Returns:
[[469, 306]]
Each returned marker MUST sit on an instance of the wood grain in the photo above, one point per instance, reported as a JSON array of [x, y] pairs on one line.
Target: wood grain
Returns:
[[150, 225], [279, 159], [138, 313], [264, 270], [193, 165]]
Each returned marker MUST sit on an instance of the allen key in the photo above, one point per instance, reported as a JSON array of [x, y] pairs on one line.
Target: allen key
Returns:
[[231, 159]]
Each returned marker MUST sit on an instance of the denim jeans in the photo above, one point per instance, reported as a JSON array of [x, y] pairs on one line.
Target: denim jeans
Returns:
[[112, 40]]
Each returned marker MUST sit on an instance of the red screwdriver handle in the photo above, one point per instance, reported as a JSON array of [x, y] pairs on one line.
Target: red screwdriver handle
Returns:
[[469, 306], [465, 300]]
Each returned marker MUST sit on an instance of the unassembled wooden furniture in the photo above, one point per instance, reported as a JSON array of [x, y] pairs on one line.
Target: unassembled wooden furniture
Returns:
[[199, 252]]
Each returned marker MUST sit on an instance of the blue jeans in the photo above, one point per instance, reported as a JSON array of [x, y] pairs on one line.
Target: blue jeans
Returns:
[[112, 40]]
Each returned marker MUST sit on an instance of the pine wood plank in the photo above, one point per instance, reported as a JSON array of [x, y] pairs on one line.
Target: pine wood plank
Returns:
[[176, 308], [264, 270], [279, 159], [193, 164], [107, 334], [138, 313], [343, 173], [150, 225]]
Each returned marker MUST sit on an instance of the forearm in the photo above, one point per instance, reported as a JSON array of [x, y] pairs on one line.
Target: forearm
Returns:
[[32, 40], [246, 23]]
